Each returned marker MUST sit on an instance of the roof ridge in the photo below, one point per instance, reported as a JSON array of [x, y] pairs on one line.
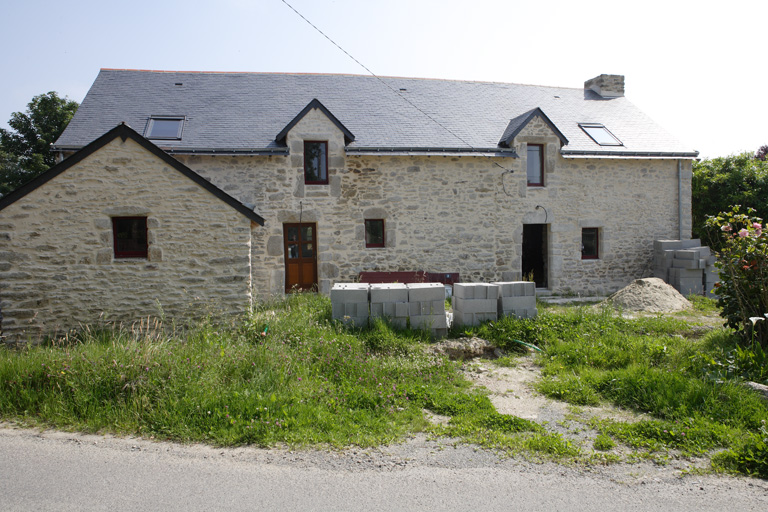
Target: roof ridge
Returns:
[[298, 73]]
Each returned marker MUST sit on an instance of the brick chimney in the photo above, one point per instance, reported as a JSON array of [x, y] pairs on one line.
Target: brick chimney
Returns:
[[607, 86]]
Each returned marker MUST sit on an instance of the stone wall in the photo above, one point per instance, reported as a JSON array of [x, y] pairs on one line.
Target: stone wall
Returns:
[[456, 213], [57, 269]]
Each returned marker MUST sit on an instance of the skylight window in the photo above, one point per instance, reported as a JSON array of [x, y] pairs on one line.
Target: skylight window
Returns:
[[168, 128], [600, 134]]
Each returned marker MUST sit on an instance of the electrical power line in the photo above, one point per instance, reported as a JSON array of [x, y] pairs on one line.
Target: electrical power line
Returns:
[[397, 92]]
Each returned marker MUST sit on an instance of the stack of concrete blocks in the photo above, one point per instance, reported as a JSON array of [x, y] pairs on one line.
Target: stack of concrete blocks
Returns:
[[474, 303], [517, 298], [686, 265], [390, 301], [349, 303], [426, 307]]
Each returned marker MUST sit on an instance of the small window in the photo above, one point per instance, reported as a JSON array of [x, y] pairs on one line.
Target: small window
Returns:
[[315, 163], [535, 165], [168, 128], [130, 237], [601, 135], [374, 232], [590, 243]]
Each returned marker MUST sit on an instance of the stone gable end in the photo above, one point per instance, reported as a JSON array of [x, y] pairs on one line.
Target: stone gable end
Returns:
[[58, 270]]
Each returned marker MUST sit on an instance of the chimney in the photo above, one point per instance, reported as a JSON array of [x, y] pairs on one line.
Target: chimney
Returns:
[[607, 86]]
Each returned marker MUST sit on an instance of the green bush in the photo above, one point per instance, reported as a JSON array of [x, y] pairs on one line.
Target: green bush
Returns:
[[720, 183], [743, 266]]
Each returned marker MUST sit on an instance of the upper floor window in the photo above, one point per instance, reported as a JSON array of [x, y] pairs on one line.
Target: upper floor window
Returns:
[[168, 128], [590, 243], [374, 232], [535, 165], [315, 163], [130, 237], [600, 134]]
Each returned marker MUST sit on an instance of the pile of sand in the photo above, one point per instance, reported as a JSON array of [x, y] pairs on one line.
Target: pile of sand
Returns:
[[651, 294]]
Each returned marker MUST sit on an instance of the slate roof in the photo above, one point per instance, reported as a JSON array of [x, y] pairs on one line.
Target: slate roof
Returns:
[[125, 132], [244, 112]]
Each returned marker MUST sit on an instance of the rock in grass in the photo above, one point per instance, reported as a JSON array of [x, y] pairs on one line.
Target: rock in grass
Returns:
[[650, 294], [466, 349]]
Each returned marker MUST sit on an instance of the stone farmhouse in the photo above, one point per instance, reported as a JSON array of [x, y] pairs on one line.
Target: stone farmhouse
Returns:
[[177, 190]]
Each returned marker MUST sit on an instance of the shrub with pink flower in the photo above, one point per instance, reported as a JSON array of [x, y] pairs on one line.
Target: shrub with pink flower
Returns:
[[743, 267]]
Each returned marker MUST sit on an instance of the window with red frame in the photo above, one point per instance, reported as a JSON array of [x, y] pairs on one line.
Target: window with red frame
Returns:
[[315, 163], [535, 165], [374, 232], [130, 237], [590, 243]]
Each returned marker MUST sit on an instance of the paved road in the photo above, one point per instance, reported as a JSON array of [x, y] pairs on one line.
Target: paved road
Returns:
[[62, 472]]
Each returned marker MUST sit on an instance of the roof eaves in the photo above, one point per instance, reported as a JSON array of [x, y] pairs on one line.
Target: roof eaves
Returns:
[[516, 125], [126, 132], [572, 153], [315, 103]]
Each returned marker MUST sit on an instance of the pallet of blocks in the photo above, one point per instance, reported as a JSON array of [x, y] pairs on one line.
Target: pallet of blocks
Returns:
[[390, 301], [517, 298], [426, 307], [474, 303], [349, 303], [686, 265]]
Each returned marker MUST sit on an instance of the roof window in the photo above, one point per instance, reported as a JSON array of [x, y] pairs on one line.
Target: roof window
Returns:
[[165, 127], [600, 134]]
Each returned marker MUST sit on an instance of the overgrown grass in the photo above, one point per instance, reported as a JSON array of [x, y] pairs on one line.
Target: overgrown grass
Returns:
[[648, 366], [289, 374]]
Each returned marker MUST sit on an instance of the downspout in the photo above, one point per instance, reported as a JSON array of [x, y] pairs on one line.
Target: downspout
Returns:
[[680, 198]]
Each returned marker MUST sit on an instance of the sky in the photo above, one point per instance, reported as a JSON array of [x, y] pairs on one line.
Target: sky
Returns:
[[697, 67]]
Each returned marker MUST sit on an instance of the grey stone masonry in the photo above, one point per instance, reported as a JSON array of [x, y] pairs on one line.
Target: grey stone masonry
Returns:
[[474, 303], [350, 303], [390, 301], [686, 265], [517, 298], [426, 304], [607, 86]]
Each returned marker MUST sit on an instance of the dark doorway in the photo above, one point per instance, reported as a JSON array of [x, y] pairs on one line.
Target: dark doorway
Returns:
[[300, 256], [535, 254]]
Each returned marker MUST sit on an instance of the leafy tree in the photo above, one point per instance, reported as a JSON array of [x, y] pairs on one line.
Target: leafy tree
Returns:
[[25, 152], [721, 183], [762, 153]]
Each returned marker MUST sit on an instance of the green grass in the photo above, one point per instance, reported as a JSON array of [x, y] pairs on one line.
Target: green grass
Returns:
[[648, 366], [311, 381]]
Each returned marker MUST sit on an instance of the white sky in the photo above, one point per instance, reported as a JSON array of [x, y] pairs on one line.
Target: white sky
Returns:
[[698, 67]]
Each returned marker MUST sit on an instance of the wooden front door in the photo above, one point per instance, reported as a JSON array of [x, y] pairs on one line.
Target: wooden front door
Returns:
[[300, 244]]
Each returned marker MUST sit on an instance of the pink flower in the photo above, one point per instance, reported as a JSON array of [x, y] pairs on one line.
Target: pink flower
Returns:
[[743, 232], [757, 226], [726, 227]]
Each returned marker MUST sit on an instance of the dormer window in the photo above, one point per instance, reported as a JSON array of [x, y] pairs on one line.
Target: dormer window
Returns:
[[315, 163], [163, 127], [600, 134]]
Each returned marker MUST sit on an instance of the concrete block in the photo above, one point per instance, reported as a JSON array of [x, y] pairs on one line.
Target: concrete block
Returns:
[[377, 309], [694, 242], [510, 303], [401, 309], [475, 305], [438, 307], [429, 322], [690, 264], [523, 288], [505, 288], [349, 292], [425, 292], [389, 292], [468, 319], [464, 291], [356, 309], [690, 287], [355, 321], [685, 273], [661, 245], [689, 254]]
